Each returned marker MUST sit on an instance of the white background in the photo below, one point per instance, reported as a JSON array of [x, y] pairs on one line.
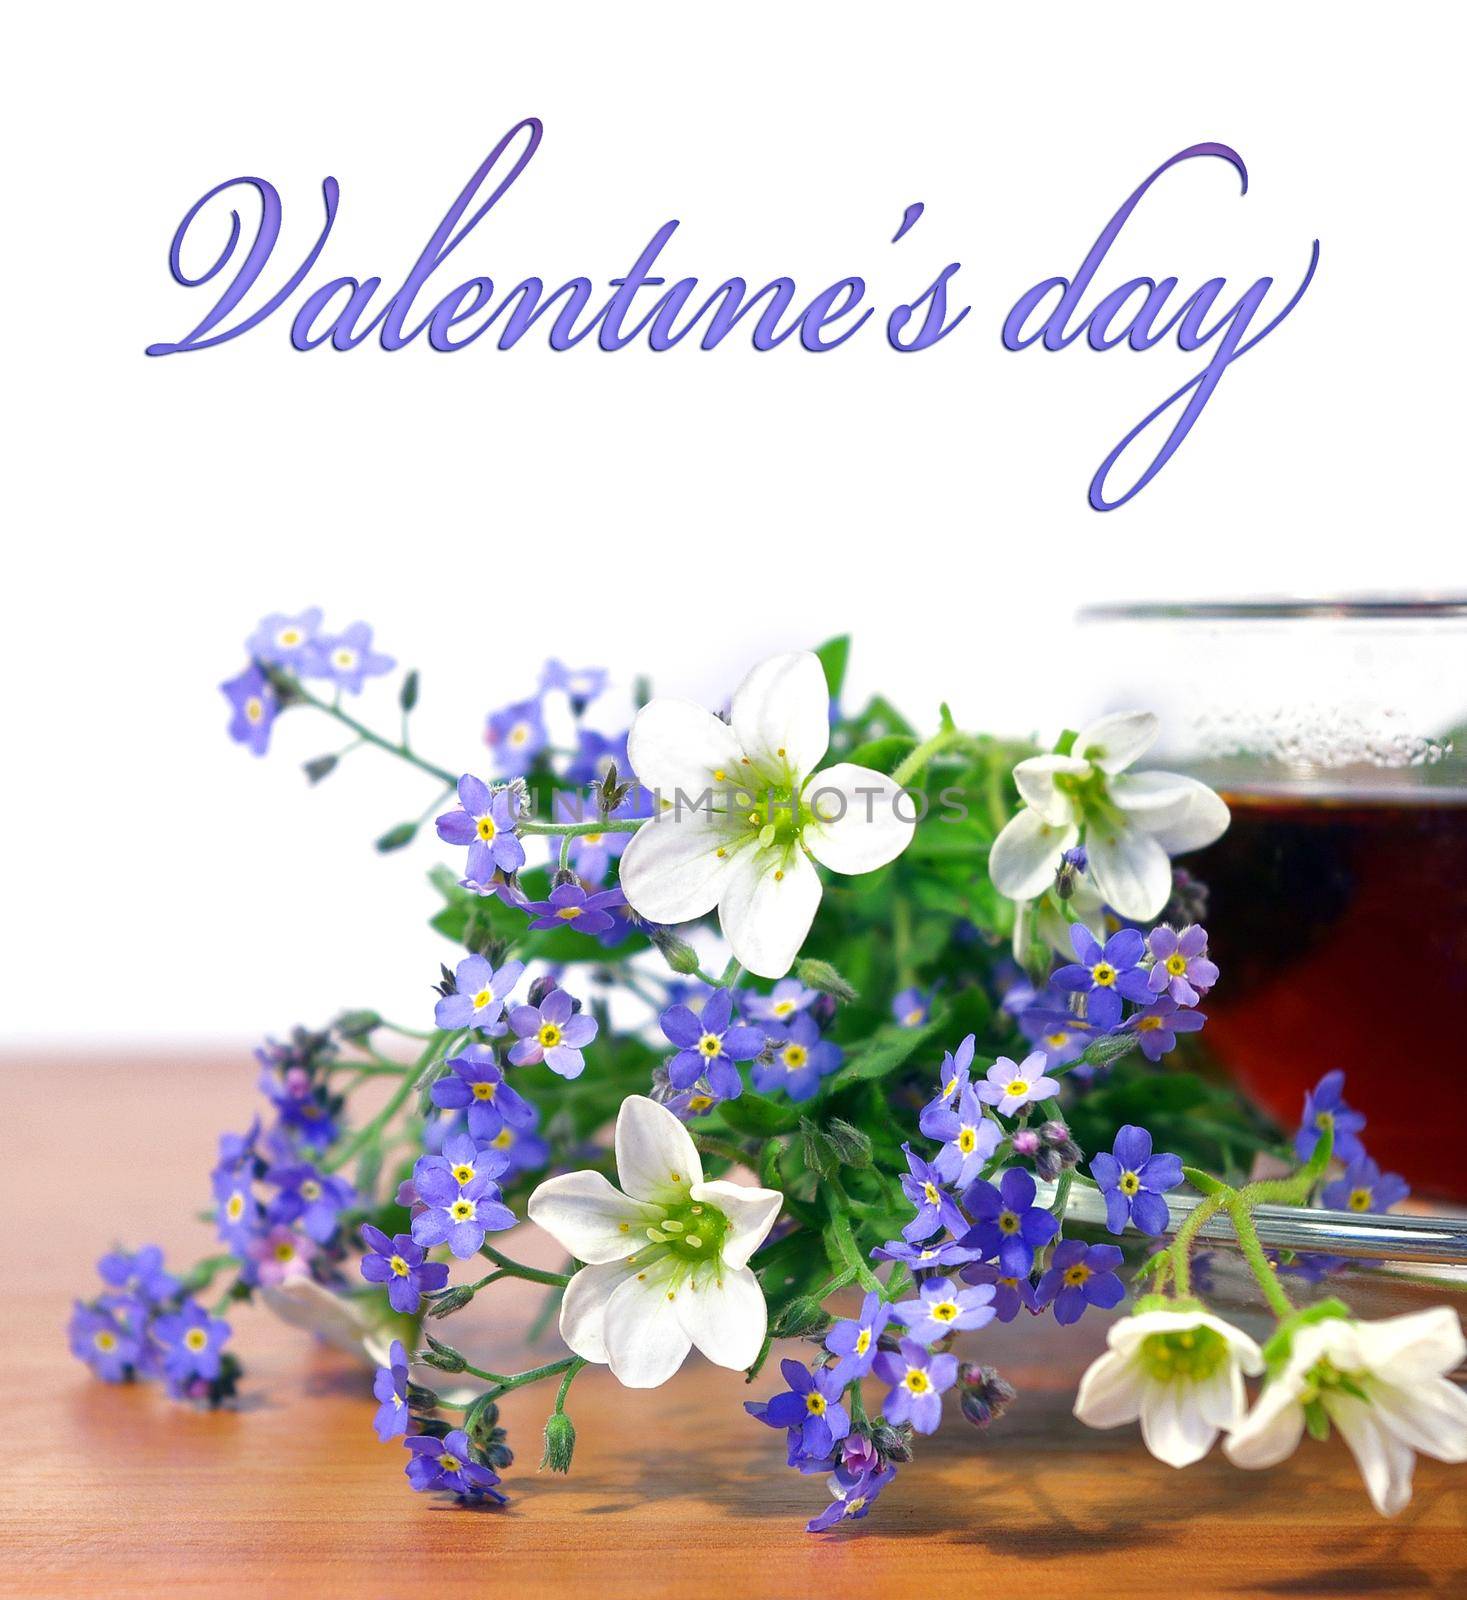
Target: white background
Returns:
[[675, 513]]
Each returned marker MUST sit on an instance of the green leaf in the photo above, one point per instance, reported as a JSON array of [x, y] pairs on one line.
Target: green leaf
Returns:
[[883, 755], [887, 1049], [759, 1115], [833, 655]]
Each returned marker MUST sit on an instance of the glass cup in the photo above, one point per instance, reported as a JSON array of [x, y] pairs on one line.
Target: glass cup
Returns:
[[1337, 905]]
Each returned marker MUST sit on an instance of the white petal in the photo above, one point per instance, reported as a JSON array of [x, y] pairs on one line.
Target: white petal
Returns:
[[1172, 1425], [858, 819], [590, 1217], [1271, 1431], [304, 1303], [583, 1306], [1127, 1334], [1034, 779], [1114, 742], [1418, 1345], [1130, 869], [676, 746], [645, 1341], [1221, 1398], [1193, 817], [781, 713], [765, 918], [751, 1214], [725, 1316], [1385, 1463], [1110, 1392], [656, 1158], [1024, 857], [1429, 1414], [671, 870]]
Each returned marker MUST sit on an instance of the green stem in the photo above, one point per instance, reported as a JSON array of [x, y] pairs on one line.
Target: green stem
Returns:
[[917, 761], [900, 1276], [367, 735], [372, 1131], [840, 1228], [566, 1382], [1181, 1246], [1258, 1262], [1062, 1193], [858, 1407], [516, 1269], [711, 1146], [503, 1382], [572, 829]]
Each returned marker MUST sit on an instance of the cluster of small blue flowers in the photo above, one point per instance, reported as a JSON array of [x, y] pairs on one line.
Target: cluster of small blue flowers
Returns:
[[145, 1324], [299, 646], [1361, 1187], [976, 1239], [439, 1458], [780, 1042], [1146, 984], [276, 1208]]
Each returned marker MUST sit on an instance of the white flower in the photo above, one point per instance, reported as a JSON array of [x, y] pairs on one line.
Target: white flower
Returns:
[[340, 1322], [741, 814], [1180, 1371], [1382, 1384], [1132, 823], [666, 1261]]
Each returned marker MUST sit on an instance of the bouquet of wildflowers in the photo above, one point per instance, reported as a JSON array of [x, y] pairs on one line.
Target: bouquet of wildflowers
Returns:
[[787, 1022]]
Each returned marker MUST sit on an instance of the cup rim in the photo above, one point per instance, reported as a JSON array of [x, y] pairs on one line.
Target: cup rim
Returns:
[[1395, 607]]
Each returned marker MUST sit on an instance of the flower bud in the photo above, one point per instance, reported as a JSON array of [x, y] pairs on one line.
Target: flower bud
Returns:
[[356, 1024], [893, 1444], [1026, 1142], [420, 1397], [396, 838], [983, 1394], [562, 876], [677, 953], [319, 767], [560, 1443], [451, 1300], [801, 1317], [822, 977], [541, 990], [442, 1356], [851, 1146]]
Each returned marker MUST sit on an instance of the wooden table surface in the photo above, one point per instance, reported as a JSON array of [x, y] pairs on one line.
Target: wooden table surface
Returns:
[[118, 1492]]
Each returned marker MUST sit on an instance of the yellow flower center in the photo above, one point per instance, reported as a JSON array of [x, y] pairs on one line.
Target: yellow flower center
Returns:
[[700, 1102], [254, 708], [815, 1403], [917, 1380], [1018, 1088], [863, 1341], [1360, 1199], [569, 913], [968, 1140], [463, 1173], [234, 1206], [485, 997], [549, 1035], [783, 1008], [710, 1045], [196, 1339], [1129, 1184], [794, 1057], [484, 1091], [1076, 1275], [449, 1463], [461, 1210], [944, 1311], [310, 1190], [1055, 1040], [519, 733], [1176, 964], [502, 1140], [912, 1018], [1008, 1222], [486, 828], [1148, 1024], [1104, 974], [289, 638], [344, 659], [285, 1251], [930, 1194], [399, 1266], [105, 1342]]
